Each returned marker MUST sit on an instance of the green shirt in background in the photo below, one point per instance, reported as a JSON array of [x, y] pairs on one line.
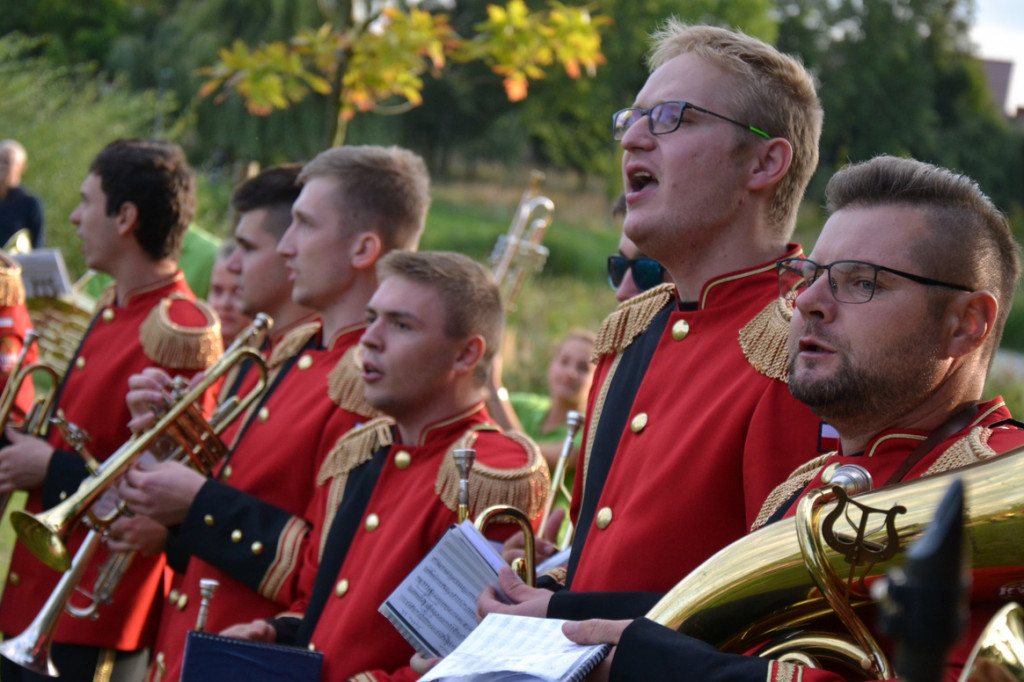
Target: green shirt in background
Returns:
[[531, 409]]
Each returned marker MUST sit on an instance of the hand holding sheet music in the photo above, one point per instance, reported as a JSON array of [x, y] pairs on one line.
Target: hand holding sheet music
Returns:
[[507, 647]]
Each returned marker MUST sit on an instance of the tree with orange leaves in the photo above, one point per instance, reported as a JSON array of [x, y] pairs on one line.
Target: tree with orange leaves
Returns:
[[372, 60]]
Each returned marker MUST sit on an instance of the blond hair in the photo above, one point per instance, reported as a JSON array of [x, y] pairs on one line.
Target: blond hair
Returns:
[[771, 91]]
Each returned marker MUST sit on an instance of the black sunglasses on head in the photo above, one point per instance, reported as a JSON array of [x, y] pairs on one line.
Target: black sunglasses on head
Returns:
[[647, 272]]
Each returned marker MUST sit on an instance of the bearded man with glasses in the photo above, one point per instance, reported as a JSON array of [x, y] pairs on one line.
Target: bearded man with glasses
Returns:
[[690, 424]]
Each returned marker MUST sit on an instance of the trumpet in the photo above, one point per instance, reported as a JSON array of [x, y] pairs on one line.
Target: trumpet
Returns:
[[31, 649], [198, 445], [525, 568], [37, 420], [519, 251], [573, 420]]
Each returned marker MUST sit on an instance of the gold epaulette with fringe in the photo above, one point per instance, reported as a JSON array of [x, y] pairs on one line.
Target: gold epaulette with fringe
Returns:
[[345, 384], [178, 346], [292, 342], [765, 338], [12, 289], [630, 319], [970, 449], [796, 481], [525, 488], [354, 448]]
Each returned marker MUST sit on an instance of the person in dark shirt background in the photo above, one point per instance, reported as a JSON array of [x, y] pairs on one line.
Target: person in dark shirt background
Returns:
[[19, 210]]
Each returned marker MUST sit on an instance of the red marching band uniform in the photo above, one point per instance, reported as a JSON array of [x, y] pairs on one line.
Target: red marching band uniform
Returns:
[[690, 425], [247, 525], [160, 324], [411, 499]]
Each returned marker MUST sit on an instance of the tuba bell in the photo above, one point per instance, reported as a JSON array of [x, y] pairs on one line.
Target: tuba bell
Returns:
[[764, 591]]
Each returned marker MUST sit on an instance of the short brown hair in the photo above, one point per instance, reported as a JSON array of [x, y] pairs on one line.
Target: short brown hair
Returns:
[[773, 91], [387, 188], [969, 241], [274, 189], [470, 297], [156, 178]]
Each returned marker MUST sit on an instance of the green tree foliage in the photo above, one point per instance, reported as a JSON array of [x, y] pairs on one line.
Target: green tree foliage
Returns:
[[366, 60], [898, 77], [63, 116]]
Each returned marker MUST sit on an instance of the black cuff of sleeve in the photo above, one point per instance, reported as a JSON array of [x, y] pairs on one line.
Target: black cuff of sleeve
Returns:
[[65, 473], [176, 550], [286, 627], [569, 605], [648, 651], [548, 583]]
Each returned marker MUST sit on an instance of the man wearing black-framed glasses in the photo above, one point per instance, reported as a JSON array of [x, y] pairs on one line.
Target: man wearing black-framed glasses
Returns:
[[717, 150], [894, 324]]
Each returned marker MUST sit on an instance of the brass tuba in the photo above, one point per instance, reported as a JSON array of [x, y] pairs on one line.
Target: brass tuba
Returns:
[[761, 592], [519, 252], [198, 444]]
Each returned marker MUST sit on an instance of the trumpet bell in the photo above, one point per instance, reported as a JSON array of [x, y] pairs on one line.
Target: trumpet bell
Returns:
[[42, 538], [31, 653]]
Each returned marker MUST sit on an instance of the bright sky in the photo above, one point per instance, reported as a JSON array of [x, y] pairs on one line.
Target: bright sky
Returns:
[[999, 34]]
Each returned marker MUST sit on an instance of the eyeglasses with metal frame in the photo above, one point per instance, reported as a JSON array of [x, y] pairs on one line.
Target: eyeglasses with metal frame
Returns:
[[851, 281], [647, 272], [665, 117]]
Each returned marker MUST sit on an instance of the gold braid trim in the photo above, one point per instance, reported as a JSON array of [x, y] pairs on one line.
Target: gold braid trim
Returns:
[[345, 384], [12, 288], [292, 343], [783, 671], [630, 319], [525, 488], [178, 347], [595, 419], [971, 448], [797, 480], [286, 558], [107, 297], [558, 574], [352, 449], [765, 339]]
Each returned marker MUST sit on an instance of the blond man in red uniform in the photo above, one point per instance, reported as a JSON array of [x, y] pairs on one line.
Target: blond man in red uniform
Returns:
[[136, 203], [689, 416], [388, 489], [246, 526]]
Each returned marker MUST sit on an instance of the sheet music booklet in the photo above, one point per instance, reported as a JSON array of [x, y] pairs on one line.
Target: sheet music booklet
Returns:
[[435, 606], [435, 610], [519, 648]]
